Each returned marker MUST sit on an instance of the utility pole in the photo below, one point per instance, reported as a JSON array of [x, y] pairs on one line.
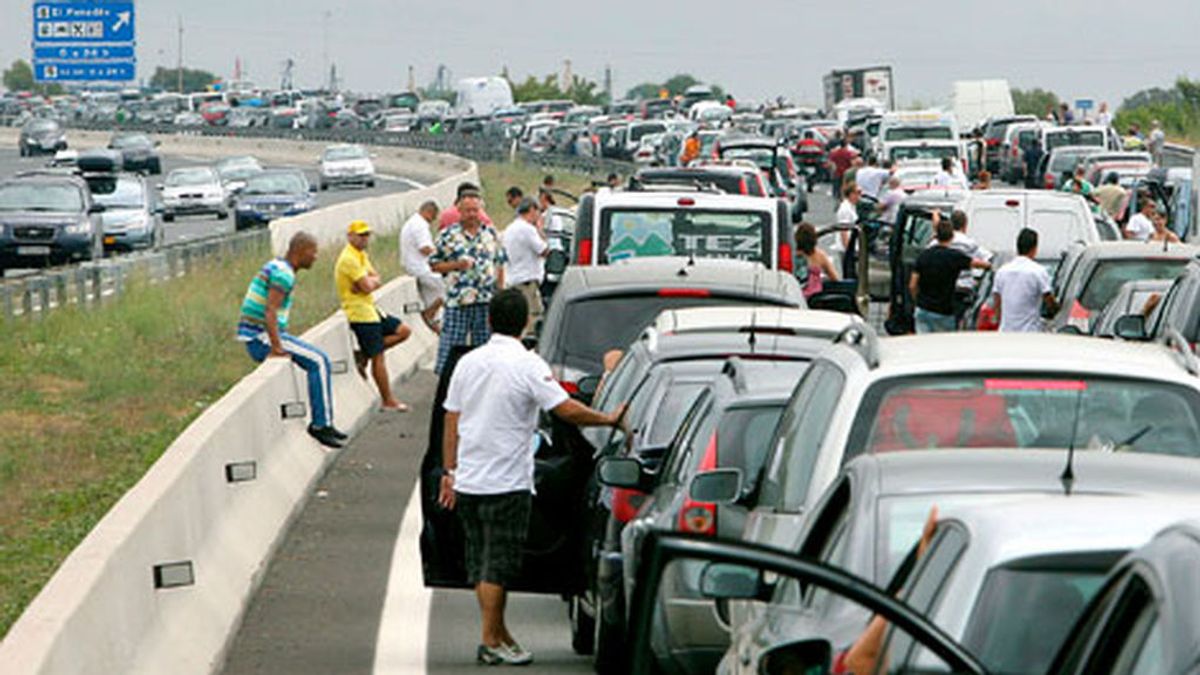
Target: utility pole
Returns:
[[179, 59], [608, 82], [326, 15], [567, 79], [412, 79]]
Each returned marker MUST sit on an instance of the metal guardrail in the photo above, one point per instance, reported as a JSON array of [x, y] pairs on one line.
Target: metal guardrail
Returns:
[[92, 283]]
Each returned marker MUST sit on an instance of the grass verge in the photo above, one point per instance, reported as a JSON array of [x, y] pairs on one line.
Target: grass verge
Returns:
[[92, 397]]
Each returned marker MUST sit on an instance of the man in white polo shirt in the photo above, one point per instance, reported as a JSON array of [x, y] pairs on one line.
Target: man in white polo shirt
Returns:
[[492, 407], [525, 244], [416, 245], [1022, 286]]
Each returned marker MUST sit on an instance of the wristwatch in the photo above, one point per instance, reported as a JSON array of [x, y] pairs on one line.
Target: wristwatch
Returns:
[[448, 472]]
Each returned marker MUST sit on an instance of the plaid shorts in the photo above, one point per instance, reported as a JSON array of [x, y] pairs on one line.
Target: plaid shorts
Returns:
[[465, 324], [495, 527]]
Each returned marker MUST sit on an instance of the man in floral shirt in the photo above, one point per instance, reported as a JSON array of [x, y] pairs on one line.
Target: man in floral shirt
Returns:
[[470, 256]]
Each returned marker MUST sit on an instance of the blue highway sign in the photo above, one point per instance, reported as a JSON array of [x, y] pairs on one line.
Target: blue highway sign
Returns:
[[85, 72], [83, 52], [83, 22], [84, 41]]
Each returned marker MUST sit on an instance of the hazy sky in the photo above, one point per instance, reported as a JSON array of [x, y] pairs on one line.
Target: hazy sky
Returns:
[[756, 49]]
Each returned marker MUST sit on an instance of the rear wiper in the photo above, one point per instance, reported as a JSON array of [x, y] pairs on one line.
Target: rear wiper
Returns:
[[1128, 442]]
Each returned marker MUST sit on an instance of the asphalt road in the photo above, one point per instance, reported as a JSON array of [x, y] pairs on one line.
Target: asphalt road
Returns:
[[186, 228], [344, 593]]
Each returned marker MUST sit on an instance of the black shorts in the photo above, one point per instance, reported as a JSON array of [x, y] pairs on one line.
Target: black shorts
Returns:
[[370, 335], [495, 527]]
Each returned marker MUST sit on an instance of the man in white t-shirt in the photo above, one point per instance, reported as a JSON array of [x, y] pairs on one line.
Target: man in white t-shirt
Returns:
[[1141, 225], [871, 178], [948, 177], [1022, 286], [890, 201], [847, 214], [526, 246], [416, 245], [492, 405]]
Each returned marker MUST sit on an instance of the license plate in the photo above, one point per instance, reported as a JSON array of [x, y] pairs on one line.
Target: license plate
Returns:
[[33, 250], [110, 240]]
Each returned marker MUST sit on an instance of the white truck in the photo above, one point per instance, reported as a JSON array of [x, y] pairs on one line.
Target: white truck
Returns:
[[482, 95], [974, 101]]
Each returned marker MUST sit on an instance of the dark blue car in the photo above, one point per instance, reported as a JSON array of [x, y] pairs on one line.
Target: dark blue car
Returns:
[[274, 194]]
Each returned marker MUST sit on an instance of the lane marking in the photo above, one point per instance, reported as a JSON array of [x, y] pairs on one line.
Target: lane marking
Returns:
[[404, 620], [401, 179]]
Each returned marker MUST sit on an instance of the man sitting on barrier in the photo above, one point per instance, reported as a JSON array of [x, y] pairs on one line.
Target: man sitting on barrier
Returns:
[[356, 279], [263, 327]]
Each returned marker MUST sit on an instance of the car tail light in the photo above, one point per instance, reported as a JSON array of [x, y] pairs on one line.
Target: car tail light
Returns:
[[686, 201], [785, 257], [992, 142], [742, 189], [625, 503], [684, 293], [1079, 316], [987, 318], [585, 252], [762, 186], [568, 386], [701, 517], [1049, 181]]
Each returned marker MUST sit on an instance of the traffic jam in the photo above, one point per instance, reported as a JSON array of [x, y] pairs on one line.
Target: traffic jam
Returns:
[[993, 471]]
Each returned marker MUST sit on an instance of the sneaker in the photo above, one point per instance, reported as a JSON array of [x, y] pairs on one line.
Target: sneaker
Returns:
[[337, 433], [503, 655], [325, 436]]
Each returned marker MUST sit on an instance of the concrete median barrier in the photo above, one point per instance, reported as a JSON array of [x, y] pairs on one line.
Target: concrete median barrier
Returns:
[[160, 584]]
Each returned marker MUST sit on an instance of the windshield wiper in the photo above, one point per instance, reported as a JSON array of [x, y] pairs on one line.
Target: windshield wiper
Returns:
[[1135, 437]]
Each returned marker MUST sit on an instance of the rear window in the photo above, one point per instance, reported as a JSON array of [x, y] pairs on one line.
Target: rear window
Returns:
[[1027, 411], [937, 152], [1058, 139], [643, 233], [1049, 599], [1109, 275], [636, 132], [593, 326], [918, 134]]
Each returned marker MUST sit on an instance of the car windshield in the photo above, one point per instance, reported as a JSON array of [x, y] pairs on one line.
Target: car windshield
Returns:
[[1000, 410], [134, 141], [40, 197], [902, 153], [763, 159], [1048, 599], [123, 193], [585, 340], [1064, 162], [642, 233], [1109, 276], [274, 183], [340, 154], [918, 134], [1057, 139], [636, 132], [190, 177]]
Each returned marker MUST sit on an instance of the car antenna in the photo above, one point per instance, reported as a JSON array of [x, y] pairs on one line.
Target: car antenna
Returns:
[[1067, 478], [753, 339]]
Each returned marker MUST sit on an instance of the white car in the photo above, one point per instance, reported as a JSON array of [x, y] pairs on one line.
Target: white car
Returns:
[[194, 190], [346, 165]]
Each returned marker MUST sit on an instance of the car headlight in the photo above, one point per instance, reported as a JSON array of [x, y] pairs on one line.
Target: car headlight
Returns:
[[82, 227]]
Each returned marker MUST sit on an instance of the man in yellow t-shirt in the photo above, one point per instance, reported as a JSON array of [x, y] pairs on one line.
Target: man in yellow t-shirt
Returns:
[[356, 278]]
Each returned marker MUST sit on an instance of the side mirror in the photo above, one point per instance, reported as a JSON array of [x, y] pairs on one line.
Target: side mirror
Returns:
[[814, 656], [1131, 327], [719, 486], [312, 188], [727, 581], [97, 208], [588, 385], [621, 472], [556, 262]]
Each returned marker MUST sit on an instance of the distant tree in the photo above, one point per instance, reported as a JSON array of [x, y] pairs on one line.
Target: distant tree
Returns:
[[582, 91], [167, 79], [675, 86], [644, 91], [1177, 109], [679, 84], [1035, 101], [19, 76]]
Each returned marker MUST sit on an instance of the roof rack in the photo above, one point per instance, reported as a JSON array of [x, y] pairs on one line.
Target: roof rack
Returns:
[[734, 370], [1182, 351], [864, 340]]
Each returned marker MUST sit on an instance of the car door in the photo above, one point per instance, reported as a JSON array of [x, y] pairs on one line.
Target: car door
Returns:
[[555, 550], [1122, 631]]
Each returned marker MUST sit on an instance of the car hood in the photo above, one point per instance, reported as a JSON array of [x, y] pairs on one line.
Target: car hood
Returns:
[[279, 198], [176, 190], [121, 217]]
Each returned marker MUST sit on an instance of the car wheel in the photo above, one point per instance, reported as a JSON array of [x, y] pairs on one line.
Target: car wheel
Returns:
[[155, 167], [23, 150], [324, 187], [168, 217], [583, 629], [370, 183], [222, 214]]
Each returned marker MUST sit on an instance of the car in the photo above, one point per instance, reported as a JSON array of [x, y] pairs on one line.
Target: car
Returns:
[[1134, 297], [272, 194], [1017, 138], [729, 177], [865, 395], [1010, 580], [867, 521], [1060, 163], [995, 130], [775, 162], [1125, 164], [685, 350], [1054, 137], [399, 122], [1144, 617], [48, 219], [132, 217], [630, 294], [346, 165], [728, 427], [909, 237], [194, 190], [632, 137], [1090, 276], [139, 153], [902, 152], [646, 221], [235, 170], [41, 135], [1177, 315]]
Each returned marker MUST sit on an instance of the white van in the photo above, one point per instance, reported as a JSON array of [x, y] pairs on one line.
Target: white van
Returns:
[[482, 95], [974, 101], [1061, 219]]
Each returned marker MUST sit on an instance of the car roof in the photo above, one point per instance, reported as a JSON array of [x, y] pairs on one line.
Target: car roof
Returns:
[[47, 176], [609, 198], [741, 318], [1007, 470], [1026, 352], [1118, 250], [677, 272], [1057, 524]]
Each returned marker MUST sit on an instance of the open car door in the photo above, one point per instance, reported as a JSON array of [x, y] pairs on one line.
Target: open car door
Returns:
[[554, 550], [719, 571]]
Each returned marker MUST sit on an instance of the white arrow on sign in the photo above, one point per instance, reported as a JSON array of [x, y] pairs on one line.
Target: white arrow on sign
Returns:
[[122, 20]]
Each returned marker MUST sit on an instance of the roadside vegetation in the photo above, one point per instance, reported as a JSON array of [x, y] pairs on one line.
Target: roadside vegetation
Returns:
[[92, 397]]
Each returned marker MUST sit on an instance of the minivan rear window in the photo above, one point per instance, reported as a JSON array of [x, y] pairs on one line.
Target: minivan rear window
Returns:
[[918, 134], [644, 233], [1058, 139]]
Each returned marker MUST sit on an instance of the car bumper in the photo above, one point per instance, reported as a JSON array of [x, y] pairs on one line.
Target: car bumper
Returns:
[[194, 206], [63, 249], [130, 240]]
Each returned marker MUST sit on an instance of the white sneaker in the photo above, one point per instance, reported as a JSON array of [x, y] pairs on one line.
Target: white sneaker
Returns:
[[503, 655], [517, 656]]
